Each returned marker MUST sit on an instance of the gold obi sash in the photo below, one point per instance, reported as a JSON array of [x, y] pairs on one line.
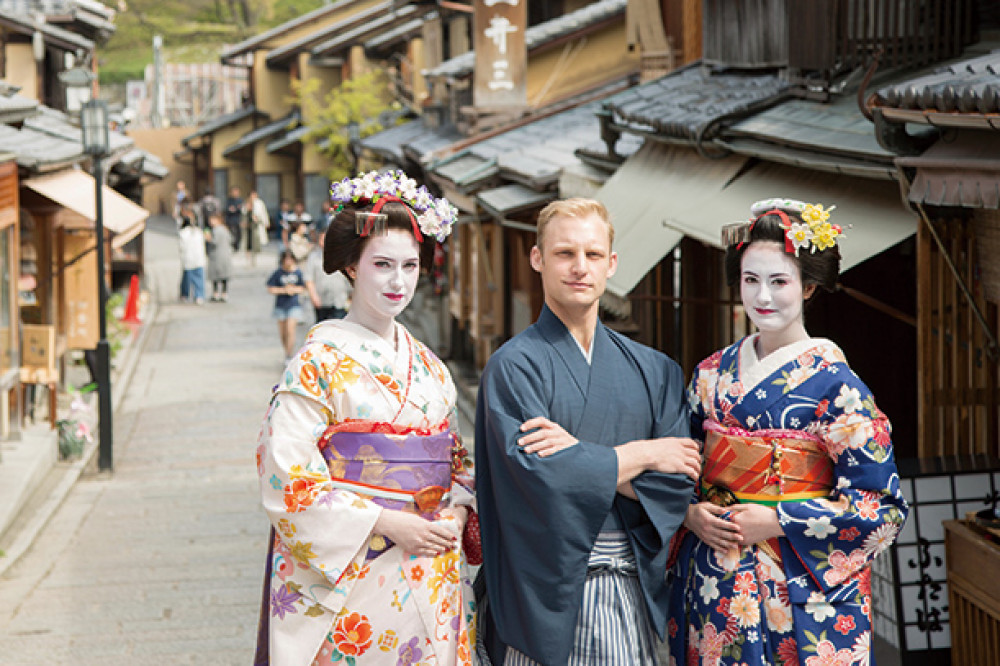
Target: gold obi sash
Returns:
[[763, 467]]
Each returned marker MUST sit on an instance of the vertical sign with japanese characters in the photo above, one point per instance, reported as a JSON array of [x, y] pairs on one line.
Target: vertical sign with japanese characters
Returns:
[[501, 54]]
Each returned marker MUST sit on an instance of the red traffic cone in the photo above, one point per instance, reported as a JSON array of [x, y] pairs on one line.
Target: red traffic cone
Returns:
[[132, 303]]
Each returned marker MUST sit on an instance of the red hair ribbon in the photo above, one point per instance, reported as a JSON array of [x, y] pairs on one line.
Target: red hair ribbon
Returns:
[[413, 220], [786, 223]]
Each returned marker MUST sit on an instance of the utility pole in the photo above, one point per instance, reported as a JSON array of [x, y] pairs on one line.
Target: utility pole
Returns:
[[156, 114]]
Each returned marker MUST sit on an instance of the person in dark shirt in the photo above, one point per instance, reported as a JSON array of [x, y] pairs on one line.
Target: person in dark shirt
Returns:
[[234, 215], [286, 284]]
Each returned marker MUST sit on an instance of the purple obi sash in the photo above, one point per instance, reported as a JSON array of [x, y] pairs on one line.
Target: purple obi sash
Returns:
[[409, 472]]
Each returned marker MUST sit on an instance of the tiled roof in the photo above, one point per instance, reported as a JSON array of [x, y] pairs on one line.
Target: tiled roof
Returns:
[[540, 34], [39, 151], [267, 131], [14, 108], [422, 148], [216, 124], [384, 22], [259, 41], [27, 25], [389, 142], [289, 50], [684, 104], [967, 86], [534, 153], [52, 7], [57, 124], [831, 136], [396, 35], [287, 139]]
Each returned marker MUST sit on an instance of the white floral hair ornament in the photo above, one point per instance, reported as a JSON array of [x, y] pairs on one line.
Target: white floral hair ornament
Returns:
[[435, 217], [815, 233]]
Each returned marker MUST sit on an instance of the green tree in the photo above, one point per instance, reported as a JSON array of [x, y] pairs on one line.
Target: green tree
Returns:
[[361, 101]]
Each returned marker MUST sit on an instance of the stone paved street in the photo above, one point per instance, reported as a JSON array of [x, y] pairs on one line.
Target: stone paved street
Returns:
[[161, 562]]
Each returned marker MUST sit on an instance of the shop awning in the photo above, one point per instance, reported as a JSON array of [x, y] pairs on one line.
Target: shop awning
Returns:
[[663, 193], [963, 173], [76, 192], [513, 198], [655, 187], [872, 213]]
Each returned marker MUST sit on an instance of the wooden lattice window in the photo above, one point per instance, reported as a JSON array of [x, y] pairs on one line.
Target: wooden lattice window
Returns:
[[959, 400]]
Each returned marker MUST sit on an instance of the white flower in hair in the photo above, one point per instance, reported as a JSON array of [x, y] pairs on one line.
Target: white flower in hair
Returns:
[[430, 223], [423, 198], [369, 186], [407, 188], [434, 217], [387, 184], [343, 191], [800, 235]]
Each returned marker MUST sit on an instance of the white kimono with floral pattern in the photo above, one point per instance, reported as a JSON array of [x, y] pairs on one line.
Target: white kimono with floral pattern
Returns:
[[327, 603]]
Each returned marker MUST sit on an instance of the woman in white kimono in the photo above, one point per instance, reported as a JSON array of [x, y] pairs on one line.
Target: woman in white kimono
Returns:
[[362, 472], [799, 487]]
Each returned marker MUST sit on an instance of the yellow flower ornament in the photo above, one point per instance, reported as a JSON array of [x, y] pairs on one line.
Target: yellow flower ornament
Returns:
[[825, 236], [815, 233], [815, 213]]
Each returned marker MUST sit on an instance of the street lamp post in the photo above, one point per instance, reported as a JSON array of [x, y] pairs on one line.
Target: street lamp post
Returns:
[[94, 123]]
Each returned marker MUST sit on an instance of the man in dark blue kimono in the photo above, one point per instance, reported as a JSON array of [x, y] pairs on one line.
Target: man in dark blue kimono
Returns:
[[584, 467]]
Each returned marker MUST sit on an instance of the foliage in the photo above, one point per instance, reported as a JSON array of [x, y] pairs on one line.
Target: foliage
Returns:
[[192, 30], [117, 331], [75, 430], [362, 100]]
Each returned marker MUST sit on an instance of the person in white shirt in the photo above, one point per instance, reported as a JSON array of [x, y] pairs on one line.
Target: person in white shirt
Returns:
[[193, 259], [257, 223], [330, 293]]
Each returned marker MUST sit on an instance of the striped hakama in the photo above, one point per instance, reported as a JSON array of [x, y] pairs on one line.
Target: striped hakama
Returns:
[[613, 627]]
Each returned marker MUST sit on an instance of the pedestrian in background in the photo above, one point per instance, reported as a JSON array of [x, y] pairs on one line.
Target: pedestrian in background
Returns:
[[286, 284], [329, 292], [181, 199], [220, 257], [234, 215], [257, 222], [193, 259], [281, 229], [208, 206]]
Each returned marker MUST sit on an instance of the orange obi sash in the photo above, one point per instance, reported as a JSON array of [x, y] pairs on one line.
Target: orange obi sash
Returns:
[[764, 467]]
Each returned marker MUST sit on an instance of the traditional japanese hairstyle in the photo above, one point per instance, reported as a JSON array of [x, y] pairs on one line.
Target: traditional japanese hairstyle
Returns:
[[802, 229], [373, 203]]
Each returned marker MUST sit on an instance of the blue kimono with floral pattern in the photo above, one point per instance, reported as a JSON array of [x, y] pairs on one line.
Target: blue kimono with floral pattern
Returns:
[[809, 605]]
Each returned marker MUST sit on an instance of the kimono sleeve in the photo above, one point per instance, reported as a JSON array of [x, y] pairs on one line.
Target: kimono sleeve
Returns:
[[321, 527], [835, 538], [665, 497], [462, 472], [574, 487]]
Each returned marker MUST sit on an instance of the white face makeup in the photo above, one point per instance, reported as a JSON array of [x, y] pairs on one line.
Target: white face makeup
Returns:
[[385, 278], [771, 290]]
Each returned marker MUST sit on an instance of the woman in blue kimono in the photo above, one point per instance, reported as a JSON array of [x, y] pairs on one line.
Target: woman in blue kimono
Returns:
[[799, 489]]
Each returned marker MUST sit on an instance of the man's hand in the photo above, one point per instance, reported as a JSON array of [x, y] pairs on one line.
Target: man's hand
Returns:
[[414, 534], [676, 455], [712, 524], [548, 437]]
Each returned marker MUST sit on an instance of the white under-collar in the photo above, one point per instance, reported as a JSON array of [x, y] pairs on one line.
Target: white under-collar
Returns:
[[588, 354]]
